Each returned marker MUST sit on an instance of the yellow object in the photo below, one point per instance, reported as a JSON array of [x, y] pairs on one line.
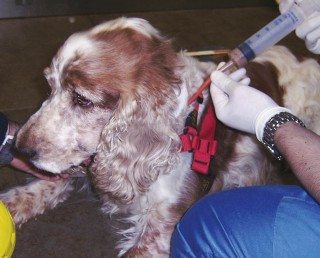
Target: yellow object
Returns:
[[7, 233]]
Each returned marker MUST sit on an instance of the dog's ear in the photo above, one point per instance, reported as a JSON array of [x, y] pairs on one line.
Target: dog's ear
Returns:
[[139, 143], [136, 147]]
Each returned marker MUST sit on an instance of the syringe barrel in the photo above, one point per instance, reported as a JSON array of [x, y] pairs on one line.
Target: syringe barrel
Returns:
[[273, 32]]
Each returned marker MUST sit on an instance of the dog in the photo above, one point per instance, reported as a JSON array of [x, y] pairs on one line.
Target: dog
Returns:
[[119, 95]]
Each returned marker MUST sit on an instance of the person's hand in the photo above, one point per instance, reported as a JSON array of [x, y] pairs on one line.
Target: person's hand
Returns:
[[23, 165], [240, 106], [285, 5], [309, 30]]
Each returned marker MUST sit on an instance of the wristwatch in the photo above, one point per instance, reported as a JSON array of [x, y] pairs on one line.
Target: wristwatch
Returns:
[[271, 127], [5, 150]]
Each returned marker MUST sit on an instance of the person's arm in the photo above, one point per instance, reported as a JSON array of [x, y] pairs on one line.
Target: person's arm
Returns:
[[3, 127], [301, 148], [298, 145]]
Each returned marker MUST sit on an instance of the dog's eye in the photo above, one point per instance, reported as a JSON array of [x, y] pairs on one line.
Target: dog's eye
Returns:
[[81, 100]]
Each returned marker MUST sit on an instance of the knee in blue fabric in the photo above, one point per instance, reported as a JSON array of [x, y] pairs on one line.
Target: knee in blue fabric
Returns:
[[249, 222]]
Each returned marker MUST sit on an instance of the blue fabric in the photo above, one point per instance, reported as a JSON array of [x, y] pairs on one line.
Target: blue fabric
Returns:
[[3, 127], [265, 221]]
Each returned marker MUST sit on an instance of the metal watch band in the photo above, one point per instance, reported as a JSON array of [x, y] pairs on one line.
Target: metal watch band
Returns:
[[271, 127]]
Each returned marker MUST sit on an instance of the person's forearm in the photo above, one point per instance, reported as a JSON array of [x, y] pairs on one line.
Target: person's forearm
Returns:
[[301, 148]]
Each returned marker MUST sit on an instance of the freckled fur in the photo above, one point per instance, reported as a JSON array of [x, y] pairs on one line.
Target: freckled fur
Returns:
[[140, 88]]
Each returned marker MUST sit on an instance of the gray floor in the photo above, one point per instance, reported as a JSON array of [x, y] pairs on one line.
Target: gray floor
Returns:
[[77, 228]]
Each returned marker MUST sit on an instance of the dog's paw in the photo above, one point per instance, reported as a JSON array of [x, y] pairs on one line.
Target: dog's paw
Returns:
[[26, 202], [19, 205]]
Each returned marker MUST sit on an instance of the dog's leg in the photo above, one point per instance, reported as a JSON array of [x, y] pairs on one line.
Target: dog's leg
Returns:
[[151, 233], [25, 202]]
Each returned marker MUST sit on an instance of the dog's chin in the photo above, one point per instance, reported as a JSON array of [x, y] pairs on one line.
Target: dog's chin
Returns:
[[51, 167], [58, 168]]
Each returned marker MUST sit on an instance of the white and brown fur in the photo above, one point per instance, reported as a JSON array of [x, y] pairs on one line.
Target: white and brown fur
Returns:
[[139, 88]]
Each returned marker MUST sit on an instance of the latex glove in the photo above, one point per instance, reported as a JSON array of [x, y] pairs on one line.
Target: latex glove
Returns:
[[309, 30], [240, 106], [285, 5]]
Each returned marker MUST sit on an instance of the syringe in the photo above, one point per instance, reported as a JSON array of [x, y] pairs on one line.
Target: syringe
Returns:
[[269, 35]]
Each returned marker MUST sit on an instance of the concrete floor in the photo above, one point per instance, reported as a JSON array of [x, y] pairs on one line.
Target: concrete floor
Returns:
[[77, 228]]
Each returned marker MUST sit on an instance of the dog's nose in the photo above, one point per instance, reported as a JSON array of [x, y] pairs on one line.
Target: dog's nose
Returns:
[[25, 144], [28, 152]]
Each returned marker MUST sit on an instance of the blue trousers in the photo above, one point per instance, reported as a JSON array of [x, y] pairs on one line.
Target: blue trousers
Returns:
[[265, 221]]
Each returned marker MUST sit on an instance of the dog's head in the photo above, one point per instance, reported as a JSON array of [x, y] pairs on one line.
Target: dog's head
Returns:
[[116, 78]]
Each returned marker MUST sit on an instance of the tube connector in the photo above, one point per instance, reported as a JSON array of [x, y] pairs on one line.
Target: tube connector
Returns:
[[228, 67]]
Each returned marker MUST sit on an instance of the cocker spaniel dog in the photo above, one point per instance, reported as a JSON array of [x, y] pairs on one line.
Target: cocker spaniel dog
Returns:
[[119, 94]]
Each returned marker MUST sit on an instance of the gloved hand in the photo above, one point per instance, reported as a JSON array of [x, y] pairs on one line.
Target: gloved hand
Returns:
[[240, 106], [309, 30]]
